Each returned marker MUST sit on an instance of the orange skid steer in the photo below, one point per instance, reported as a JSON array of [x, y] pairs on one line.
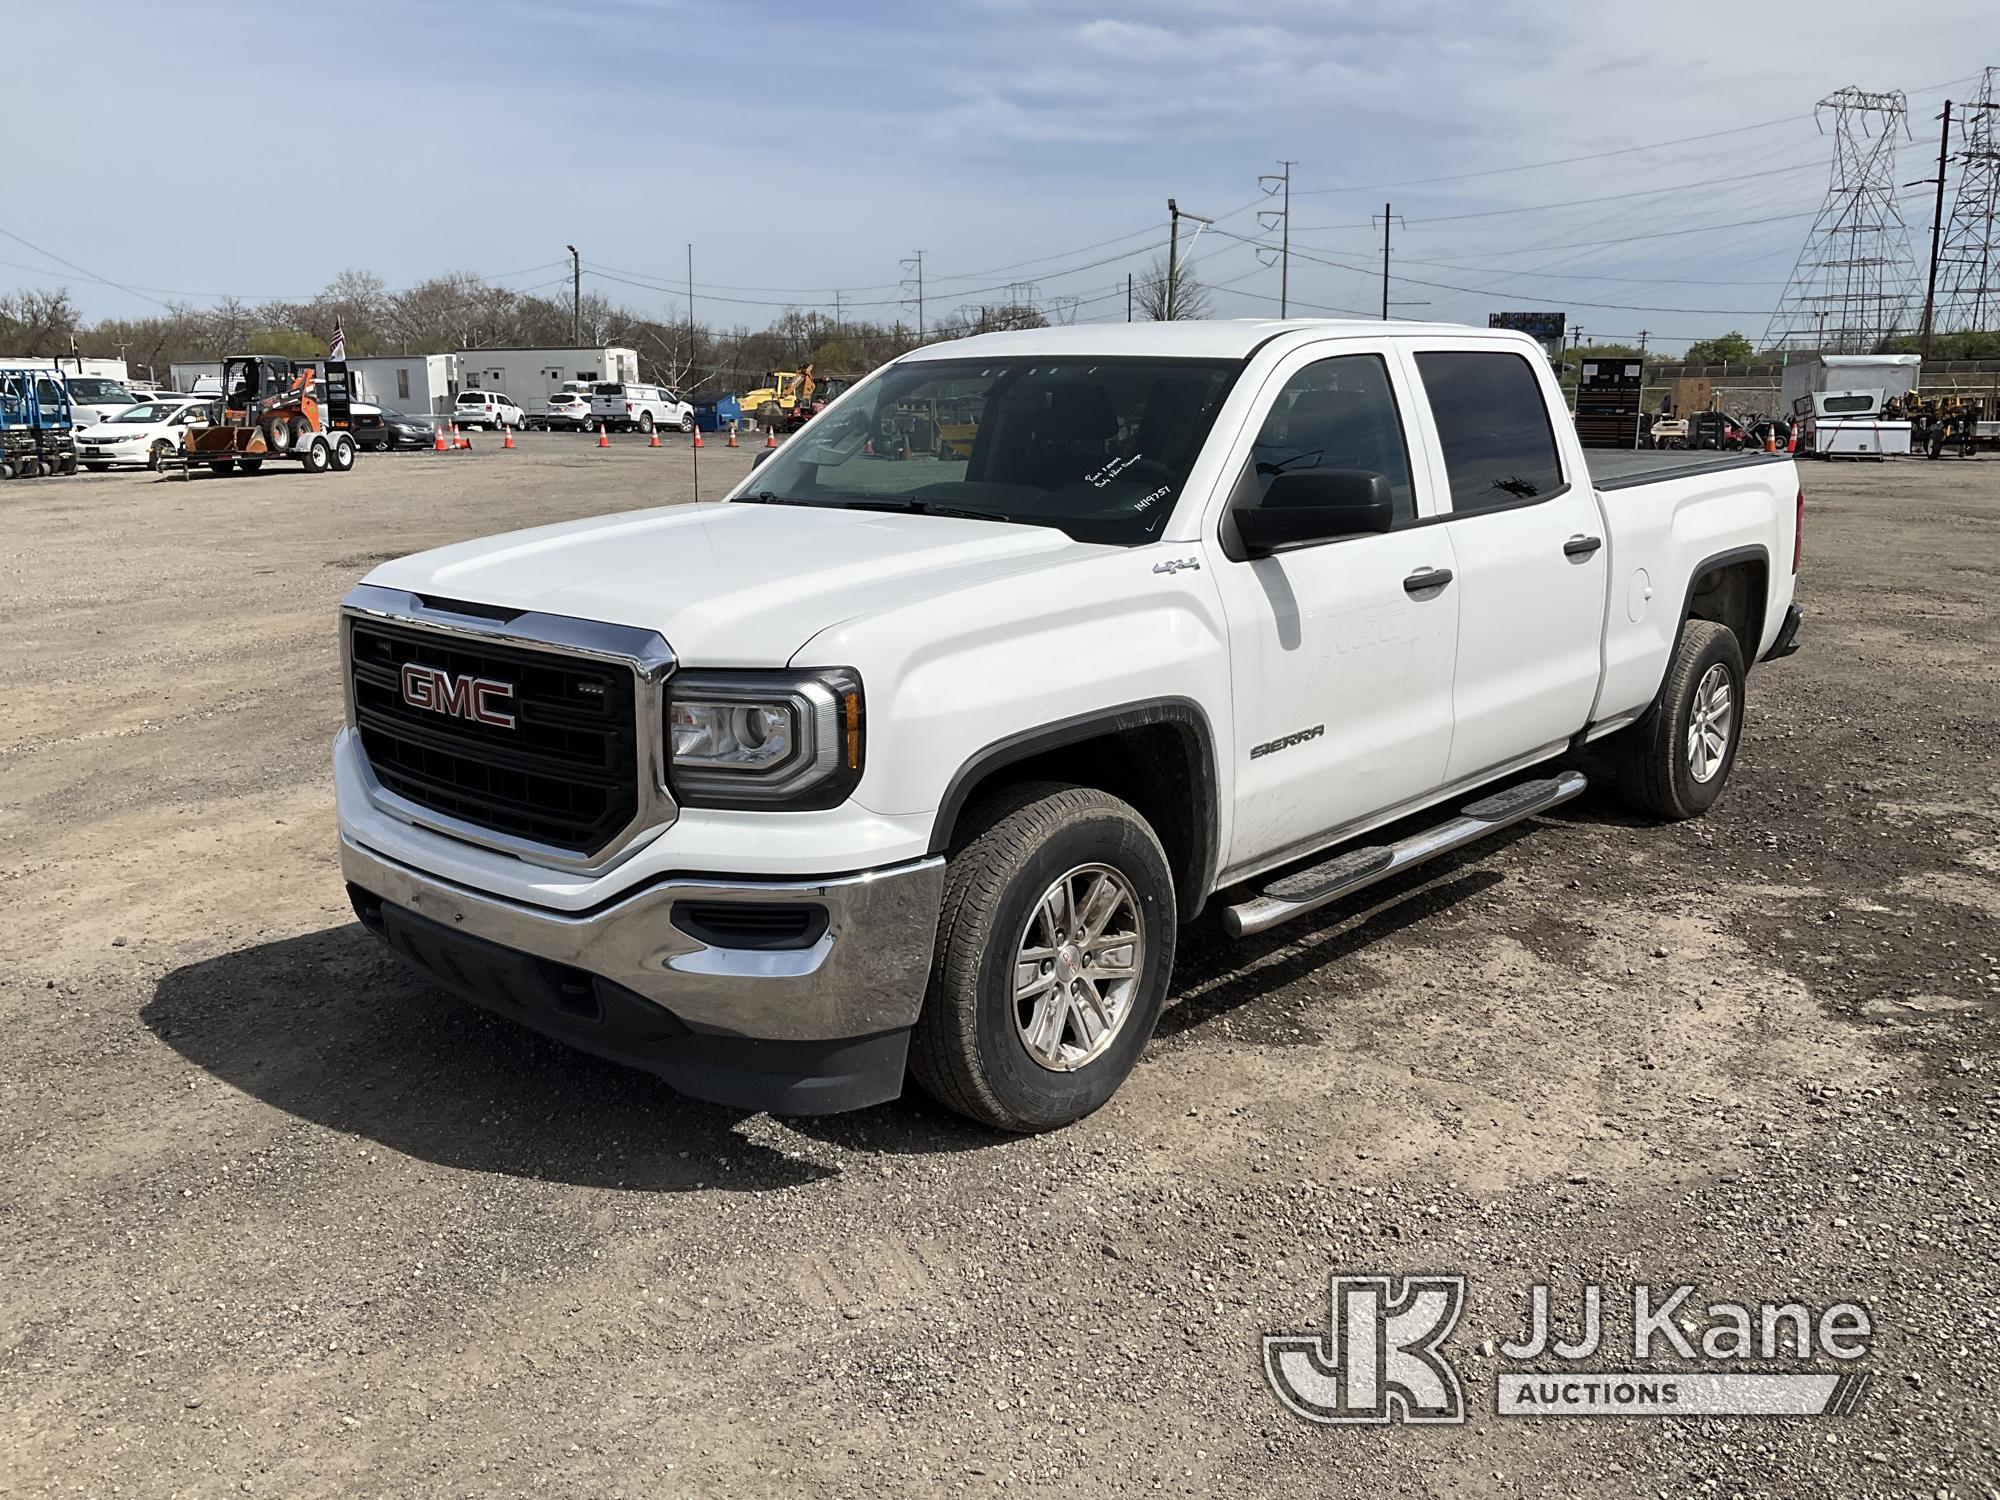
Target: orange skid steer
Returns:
[[277, 409]]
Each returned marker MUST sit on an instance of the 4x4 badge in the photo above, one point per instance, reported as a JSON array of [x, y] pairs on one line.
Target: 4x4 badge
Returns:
[[1178, 564]]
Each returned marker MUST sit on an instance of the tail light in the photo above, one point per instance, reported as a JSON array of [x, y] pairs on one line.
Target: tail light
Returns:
[[1799, 531]]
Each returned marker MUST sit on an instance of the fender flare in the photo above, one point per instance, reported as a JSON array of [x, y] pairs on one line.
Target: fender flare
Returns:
[[1183, 714]]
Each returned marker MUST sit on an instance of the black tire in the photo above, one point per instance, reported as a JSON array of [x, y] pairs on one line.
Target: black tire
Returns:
[[1652, 759], [250, 465], [68, 465], [96, 468], [317, 460], [343, 455], [967, 1051], [646, 422], [687, 422], [223, 466], [157, 454]]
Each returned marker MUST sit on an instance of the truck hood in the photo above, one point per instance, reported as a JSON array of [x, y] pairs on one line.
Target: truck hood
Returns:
[[729, 585]]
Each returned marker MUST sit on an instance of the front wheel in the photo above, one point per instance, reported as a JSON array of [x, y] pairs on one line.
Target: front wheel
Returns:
[[1674, 761], [687, 422], [317, 459], [343, 455], [646, 423], [157, 454], [1053, 955]]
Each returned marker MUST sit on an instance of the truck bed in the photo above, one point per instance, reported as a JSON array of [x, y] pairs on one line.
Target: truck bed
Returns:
[[1617, 469]]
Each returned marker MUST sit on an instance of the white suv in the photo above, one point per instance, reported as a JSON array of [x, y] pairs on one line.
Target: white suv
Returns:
[[628, 404], [493, 409]]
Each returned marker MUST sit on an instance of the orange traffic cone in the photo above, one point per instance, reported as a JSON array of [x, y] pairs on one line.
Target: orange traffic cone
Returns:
[[732, 443], [906, 447], [770, 437], [507, 434], [697, 439], [656, 439], [1771, 441], [603, 437], [1792, 446], [439, 445]]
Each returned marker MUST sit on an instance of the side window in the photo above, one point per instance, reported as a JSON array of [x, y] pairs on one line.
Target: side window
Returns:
[[49, 393], [1338, 414], [1493, 423]]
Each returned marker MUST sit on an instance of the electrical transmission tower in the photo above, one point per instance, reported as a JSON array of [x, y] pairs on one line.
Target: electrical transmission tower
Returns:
[[1850, 288], [1969, 260]]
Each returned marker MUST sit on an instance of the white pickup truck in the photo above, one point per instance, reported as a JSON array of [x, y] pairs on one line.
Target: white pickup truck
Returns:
[[911, 756]]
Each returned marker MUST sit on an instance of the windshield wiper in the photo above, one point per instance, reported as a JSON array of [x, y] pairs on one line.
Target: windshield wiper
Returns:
[[924, 508]]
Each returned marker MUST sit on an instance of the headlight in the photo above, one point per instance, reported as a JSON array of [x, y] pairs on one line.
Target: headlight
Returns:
[[765, 739]]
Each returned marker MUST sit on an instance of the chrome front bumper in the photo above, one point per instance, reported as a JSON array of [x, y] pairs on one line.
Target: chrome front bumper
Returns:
[[819, 1026]]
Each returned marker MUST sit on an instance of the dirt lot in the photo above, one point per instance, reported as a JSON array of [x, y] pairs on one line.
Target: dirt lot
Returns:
[[276, 1219]]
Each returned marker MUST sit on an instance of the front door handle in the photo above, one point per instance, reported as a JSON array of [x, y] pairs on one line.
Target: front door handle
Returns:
[[1426, 578], [1582, 546]]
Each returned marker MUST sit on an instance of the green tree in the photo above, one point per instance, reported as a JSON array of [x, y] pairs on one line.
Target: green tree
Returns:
[[1731, 349]]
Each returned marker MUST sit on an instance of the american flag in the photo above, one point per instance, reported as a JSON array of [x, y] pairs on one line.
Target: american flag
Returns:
[[337, 349]]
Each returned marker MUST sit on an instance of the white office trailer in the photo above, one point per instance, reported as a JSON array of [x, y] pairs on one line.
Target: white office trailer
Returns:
[[1842, 398], [423, 385], [531, 376]]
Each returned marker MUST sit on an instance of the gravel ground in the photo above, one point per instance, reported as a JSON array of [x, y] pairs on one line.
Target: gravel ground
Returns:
[[277, 1219]]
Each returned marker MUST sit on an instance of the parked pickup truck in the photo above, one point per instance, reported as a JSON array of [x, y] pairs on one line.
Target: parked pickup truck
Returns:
[[916, 761]]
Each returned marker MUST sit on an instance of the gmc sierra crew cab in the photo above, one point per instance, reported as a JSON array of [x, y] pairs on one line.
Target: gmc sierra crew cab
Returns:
[[912, 755]]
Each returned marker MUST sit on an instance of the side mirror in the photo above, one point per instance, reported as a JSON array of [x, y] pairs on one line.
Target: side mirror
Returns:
[[761, 455], [1315, 506]]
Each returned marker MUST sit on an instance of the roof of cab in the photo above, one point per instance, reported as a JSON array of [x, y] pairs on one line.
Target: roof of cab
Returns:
[[1221, 338]]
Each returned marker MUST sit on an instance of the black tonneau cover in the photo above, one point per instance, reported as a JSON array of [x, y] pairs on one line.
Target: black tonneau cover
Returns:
[[1618, 469]]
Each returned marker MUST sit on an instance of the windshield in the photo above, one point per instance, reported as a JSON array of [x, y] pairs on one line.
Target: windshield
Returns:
[[472, 398], [1096, 447], [151, 412], [97, 390]]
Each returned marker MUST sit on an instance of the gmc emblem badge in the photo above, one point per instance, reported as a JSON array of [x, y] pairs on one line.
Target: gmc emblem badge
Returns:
[[467, 697]]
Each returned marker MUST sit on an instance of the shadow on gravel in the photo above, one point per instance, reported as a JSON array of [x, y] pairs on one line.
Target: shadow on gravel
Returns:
[[329, 1028]]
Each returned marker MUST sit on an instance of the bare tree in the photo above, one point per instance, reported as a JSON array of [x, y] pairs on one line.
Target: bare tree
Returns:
[[1190, 298]]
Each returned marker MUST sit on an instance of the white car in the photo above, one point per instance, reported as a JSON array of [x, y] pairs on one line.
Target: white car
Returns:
[[568, 409], [494, 409], [140, 435], [629, 404], [97, 400]]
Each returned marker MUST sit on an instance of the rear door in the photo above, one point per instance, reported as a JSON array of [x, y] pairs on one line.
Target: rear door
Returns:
[[1341, 664], [1529, 544]]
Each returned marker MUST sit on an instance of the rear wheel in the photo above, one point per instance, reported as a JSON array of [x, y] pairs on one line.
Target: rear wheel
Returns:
[[343, 455], [1053, 955], [646, 423], [1673, 763], [317, 459]]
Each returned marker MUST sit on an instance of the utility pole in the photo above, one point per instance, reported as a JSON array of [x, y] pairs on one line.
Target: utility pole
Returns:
[[694, 481], [1937, 229], [916, 263], [1576, 347], [1128, 296], [1173, 256], [575, 298], [1388, 217], [1644, 334], [1282, 182]]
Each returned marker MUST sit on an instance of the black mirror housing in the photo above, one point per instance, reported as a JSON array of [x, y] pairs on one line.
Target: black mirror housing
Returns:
[[760, 455], [1315, 506]]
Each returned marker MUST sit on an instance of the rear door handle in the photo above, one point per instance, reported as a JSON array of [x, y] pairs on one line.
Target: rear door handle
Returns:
[[1582, 546], [1426, 578]]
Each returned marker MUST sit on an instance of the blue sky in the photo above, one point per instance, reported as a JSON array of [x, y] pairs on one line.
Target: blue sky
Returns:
[[804, 148]]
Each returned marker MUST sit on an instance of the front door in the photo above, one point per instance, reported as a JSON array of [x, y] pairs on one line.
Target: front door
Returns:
[[1341, 655]]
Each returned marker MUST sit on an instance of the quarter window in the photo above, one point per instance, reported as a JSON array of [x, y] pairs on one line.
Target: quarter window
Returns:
[[1493, 423], [1337, 414]]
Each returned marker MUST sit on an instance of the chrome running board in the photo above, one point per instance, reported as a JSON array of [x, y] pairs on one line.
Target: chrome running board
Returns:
[[1313, 887]]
